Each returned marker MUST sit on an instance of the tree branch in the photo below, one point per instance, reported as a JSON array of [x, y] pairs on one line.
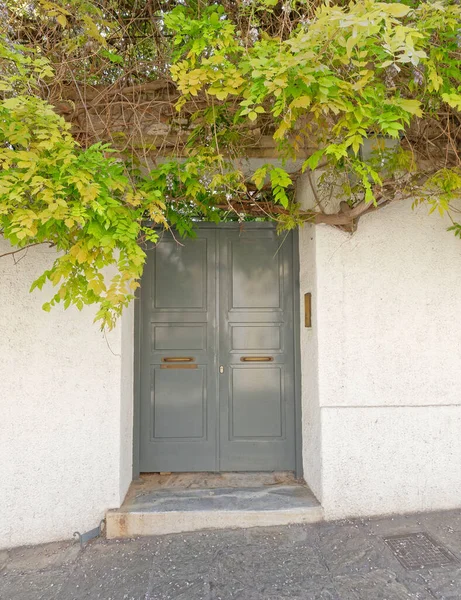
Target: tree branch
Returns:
[[13, 252], [346, 218], [343, 218]]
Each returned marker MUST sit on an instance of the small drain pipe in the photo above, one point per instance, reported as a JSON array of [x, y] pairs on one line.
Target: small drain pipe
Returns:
[[83, 538]]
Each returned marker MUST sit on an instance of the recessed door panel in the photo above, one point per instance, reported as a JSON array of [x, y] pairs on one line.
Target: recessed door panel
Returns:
[[172, 336], [256, 406], [256, 337], [254, 273], [185, 418], [180, 280]]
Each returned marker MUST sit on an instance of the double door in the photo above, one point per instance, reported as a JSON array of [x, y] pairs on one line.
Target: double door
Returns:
[[217, 352]]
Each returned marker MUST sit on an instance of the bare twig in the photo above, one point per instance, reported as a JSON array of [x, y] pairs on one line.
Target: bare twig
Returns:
[[13, 252]]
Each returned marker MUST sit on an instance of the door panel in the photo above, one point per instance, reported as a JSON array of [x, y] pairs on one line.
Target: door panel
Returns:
[[225, 298], [179, 372], [186, 336], [256, 337], [256, 351], [256, 408], [185, 418], [254, 272], [180, 275]]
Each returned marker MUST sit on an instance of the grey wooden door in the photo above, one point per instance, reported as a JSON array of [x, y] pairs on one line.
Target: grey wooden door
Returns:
[[178, 359], [217, 355], [256, 349]]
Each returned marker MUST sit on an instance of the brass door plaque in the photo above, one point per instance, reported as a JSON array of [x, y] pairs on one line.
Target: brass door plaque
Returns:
[[307, 310]]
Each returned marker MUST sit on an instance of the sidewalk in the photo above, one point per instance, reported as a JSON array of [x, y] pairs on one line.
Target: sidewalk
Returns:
[[345, 560]]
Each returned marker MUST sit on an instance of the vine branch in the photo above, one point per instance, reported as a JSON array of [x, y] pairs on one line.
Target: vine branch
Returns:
[[13, 252]]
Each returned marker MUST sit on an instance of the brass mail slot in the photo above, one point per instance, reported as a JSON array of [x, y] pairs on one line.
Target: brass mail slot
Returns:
[[257, 358], [177, 359], [178, 366]]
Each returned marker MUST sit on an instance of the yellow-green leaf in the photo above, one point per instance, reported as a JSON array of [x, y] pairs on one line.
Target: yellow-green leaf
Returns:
[[411, 106], [396, 9], [351, 42]]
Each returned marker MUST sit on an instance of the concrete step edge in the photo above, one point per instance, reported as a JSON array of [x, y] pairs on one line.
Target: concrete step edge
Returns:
[[137, 523]]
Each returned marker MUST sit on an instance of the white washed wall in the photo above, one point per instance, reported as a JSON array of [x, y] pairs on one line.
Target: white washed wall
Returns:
[[65, 411], [388, 328], [311, 425], [381, 380]]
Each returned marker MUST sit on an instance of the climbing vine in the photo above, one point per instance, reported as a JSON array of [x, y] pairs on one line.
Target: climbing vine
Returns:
[[119, 117]]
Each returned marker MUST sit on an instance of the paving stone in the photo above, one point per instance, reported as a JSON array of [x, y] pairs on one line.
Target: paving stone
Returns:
[[198, 588], [449, 520], [395, 525], [111, 571], [377, 585], [281, 571], [32, 585], [288, 535], [344, 560], [263, 563], [443, 583], [47, 556], [313, 589], [194, 554], [351, 549]]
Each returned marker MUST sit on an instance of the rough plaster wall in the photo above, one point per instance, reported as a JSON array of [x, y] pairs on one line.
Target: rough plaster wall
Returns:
[[309, 381], [383, 460], [60, 412], [311, 430], [127, 401], [389, 356]]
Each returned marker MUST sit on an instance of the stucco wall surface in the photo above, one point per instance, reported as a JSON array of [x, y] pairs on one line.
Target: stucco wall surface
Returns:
[[63, 406], [388, 306], [380, 383], [384, 460], [392, 292], [310, 409]]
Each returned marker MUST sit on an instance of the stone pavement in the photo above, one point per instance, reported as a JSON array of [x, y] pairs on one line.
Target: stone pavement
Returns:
[[345, 560]]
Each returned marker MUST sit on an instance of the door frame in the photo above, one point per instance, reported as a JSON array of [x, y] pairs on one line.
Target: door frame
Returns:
[[138, 339]]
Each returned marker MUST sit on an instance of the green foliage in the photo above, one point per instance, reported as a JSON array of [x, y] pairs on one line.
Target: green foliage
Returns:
[[324, 76], [354, 72], [22, 68], [79, 201]]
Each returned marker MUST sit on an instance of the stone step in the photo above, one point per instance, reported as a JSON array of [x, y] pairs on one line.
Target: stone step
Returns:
[[164, 511]]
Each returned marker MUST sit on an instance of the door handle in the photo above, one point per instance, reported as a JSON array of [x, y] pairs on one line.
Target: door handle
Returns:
[[177, 359], [257, 358]]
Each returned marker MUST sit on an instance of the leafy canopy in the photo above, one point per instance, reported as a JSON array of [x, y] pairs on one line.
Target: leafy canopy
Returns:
[[119, 117]]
